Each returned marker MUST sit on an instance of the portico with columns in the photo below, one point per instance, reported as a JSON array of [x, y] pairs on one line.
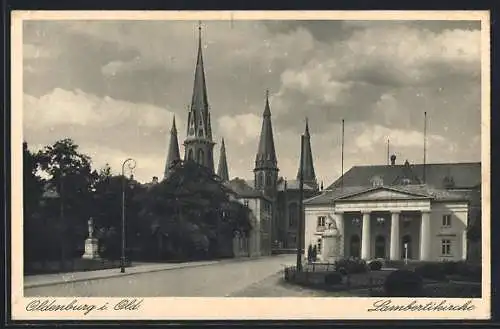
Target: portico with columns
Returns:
[[378, 222]]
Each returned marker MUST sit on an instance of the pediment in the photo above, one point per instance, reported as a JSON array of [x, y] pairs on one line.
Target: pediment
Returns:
[[383, 193]]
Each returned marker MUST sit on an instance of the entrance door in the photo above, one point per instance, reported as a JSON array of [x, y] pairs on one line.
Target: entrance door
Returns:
[[406, 240], [380, 247], [354, 249]]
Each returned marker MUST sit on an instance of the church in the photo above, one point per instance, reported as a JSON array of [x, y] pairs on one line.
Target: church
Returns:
[[274, 200], [392, 211]]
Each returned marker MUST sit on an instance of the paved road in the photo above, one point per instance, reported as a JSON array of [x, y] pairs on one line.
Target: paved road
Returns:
[[215, 280]]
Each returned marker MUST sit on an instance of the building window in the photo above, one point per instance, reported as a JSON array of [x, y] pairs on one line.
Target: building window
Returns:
[[245, 202], [355, 247], [293, 214], [200, 157], [190, 155], [260, 180], [446, 221], [269, 179], [380, 247], [406, 222], [321, 221], [319, 246], [446, 247]]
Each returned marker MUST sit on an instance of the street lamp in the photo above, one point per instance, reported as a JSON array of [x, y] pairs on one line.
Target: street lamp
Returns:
[[131, 163]]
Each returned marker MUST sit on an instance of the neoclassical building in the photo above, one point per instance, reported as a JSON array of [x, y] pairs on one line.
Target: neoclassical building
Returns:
[[274, 200], [396, 211]]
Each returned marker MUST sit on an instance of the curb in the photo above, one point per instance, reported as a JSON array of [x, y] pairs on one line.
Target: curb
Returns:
[[118, 274]]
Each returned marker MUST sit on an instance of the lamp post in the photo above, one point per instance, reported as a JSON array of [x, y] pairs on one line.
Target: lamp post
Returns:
[[301, 209], [131, 163]]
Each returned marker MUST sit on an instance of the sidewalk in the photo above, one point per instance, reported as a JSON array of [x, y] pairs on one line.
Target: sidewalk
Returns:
[[31, 281]]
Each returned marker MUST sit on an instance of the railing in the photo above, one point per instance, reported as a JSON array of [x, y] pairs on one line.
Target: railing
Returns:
[[314, 274]]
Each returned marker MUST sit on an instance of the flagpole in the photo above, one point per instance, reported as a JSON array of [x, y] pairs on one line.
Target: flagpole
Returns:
[[301, 207]]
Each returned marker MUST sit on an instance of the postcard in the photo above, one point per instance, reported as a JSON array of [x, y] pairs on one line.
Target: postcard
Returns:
[[250, 165]]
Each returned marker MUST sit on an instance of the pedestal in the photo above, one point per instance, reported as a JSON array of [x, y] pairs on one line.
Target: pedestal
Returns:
[[91, 249], [330, 246]]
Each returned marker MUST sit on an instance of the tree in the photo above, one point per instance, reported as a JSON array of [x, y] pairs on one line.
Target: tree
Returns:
[[69, 174], [32, 193], [191, 213]]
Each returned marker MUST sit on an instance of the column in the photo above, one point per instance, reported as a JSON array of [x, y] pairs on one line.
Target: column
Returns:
[[425, 236], [464, 245], [340, 227], [395, 247], [365, 237]]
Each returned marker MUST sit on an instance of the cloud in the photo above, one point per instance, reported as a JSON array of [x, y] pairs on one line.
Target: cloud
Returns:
[[113, 86], [62, 107], [108, 130], [242, 128]]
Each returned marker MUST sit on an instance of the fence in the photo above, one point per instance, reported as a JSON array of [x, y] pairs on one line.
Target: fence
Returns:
[[314, 275]]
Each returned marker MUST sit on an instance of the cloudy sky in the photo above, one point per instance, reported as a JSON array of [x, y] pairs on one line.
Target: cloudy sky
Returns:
[[113, 87]]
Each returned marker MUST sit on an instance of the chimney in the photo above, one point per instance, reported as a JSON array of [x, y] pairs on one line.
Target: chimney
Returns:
[[393, 159]]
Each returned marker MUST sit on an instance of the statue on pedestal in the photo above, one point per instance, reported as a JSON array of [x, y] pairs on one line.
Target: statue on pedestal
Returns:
[[91, 243], [331, 242]]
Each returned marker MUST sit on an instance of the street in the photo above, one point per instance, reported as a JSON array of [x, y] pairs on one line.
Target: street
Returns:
[[239, 278]]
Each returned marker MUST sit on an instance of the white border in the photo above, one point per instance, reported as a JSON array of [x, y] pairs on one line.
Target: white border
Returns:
[[240, 308]]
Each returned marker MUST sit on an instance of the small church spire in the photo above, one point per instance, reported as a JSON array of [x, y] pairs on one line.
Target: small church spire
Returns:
[[266, 164], [307, 166], [266, 154], [222, 170], [173, 154]]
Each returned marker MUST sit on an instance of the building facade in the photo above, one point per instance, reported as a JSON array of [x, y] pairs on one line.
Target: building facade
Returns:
[[400, 211], [268, 195]]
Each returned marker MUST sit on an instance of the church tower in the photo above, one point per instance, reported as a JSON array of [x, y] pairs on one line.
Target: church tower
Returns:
[[173, 150], [222, 170], [199, 144], [266, 165], [308, 165]]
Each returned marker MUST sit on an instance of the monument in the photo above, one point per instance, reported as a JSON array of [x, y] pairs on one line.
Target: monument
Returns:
[[91, 243], [330, 242]]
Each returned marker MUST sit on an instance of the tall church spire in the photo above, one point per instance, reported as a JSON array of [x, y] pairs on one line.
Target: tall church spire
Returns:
[[266, 164], [199, 144], [200, 98], [222, 170], [307, 165], [266, 154], [173, 149]]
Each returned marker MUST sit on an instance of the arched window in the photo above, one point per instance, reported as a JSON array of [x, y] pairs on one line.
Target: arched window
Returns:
[[269, 179], [380, 247], [355, 248], [200, 157], [260, 180], [190, 155], [293, 214], [406, 240]]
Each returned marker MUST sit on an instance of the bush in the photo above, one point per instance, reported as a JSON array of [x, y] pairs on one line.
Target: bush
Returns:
[[431, 271], [351, 266], [289, 273], [450, 267], [469, 271], [333, 278], [403, 283], [375, 265]]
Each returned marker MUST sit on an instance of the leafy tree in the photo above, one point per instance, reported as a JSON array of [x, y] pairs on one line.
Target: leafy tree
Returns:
[[191, 214], [474, 230], [32, 193], [69, 174]]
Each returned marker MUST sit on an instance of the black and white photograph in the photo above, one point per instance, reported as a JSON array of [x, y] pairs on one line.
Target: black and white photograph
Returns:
[[275, 158]]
